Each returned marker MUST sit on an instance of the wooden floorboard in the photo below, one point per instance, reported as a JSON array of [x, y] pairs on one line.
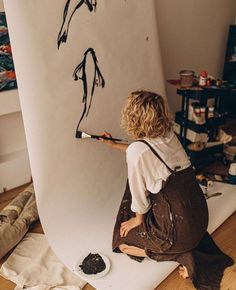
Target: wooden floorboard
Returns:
[[224, 236]]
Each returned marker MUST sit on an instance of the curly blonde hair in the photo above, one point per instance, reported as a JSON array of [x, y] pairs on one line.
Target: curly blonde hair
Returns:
[[145, 114]]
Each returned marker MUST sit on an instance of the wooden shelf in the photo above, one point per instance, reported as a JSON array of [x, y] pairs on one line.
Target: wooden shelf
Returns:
[[216, 121], [190, 134]]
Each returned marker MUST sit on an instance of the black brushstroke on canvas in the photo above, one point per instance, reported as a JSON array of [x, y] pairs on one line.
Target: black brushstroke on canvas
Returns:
[[69, 11], [88, 88]]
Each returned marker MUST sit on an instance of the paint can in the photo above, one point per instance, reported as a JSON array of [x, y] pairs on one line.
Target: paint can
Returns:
[[186, 78], [230, 153]]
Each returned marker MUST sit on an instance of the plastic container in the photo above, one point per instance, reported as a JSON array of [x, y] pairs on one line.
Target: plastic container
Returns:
[[232, 173], [232, 169]]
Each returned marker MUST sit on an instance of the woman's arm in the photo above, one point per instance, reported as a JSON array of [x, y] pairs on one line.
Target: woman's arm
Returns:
[[139, 218], [113, 144], [130, 224]]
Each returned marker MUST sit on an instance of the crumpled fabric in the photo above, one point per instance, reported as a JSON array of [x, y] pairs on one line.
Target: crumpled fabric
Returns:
[[15, 224], [34, 266], [12, 211]]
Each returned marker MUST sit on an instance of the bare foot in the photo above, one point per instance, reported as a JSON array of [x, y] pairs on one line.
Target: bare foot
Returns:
[[183, 272]]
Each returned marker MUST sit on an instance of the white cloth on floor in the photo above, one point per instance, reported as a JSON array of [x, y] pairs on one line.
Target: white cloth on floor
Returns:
[[34, 266]]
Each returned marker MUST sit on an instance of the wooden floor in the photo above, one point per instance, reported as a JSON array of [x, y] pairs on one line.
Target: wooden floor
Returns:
[[224, 236]]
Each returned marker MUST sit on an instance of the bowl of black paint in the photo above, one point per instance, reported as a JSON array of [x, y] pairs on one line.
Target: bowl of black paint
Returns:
[[93, 266]]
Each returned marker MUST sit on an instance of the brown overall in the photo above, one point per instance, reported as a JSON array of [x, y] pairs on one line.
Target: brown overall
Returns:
[[174, 229]]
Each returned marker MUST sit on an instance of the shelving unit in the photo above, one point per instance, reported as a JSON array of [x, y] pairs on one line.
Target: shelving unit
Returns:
[[14, 160], [202, 95], [190, 132]]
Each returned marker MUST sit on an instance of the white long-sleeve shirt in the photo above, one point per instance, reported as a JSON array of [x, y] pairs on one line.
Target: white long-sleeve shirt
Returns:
[[146, 172]]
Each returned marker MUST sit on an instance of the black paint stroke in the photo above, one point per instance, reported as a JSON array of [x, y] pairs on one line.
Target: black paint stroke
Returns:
[[62, 36], [98, 80]]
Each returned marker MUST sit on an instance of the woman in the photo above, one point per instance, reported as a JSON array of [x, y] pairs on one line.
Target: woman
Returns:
[[163, 214]]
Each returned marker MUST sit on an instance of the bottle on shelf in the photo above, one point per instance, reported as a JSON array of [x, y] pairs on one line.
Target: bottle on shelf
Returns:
[[211, 125], [203, 78], [218, 83], [211, 112], [191, 110], [203, 115], [199, 114]]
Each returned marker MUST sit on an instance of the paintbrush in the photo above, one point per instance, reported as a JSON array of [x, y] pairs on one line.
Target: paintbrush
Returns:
[[82, 135]]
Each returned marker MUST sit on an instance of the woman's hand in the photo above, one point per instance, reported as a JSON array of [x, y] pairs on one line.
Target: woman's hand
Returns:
[[129, 225], [111, 143], [107, 142]]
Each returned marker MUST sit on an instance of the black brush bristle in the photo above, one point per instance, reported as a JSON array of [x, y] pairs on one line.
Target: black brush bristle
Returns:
[[78, 134]]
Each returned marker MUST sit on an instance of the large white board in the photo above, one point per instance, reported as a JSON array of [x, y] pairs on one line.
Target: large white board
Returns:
[[79, 183]]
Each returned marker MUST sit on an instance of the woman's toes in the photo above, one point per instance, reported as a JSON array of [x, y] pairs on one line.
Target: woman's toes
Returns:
[[183, 272]]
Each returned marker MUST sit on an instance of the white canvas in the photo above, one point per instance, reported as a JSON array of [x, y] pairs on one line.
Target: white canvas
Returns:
[[79, 183]]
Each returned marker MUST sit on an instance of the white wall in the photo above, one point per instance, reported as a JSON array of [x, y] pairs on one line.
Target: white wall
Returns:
[[193, 35]]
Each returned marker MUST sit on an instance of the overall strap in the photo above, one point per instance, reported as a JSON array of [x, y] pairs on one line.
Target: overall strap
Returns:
[[157, 155]]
